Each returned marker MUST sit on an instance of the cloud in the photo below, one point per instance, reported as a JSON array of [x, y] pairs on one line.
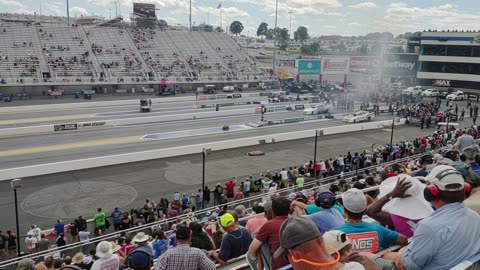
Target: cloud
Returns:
[[354, 24], [13, 3], [400, 17], [78, 11], [364, 5], [228, 12], [56, 8]]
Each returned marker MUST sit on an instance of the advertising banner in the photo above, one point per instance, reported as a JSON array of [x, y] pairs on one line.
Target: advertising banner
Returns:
[[400, 64], [91, 125], [65, 127], [308, 67], [364, 63], [335, 65], [144, 10]]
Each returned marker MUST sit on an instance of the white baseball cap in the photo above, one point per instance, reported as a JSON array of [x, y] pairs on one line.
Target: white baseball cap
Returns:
[[354, 200]]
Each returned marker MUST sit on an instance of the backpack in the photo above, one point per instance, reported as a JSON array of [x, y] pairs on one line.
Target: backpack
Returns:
[[140, 259]]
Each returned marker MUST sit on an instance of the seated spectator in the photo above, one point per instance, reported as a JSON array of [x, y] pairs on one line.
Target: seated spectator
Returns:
[[370, 237], [160, 244], [400, 201], [269, 232], [142, 254], [78, 259], [234, 244], [329, 218], [183, 256], [447, 237], [422, 164], [26, 264], [253, 224], [302, 243], [106, 257], [200, 239]]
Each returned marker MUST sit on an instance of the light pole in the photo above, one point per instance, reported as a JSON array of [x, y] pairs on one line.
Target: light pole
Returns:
[[275, 38], [16, 183], [315, 154], [205, 152], [391, 135], [68, 15], [290, 32], [190, 16]]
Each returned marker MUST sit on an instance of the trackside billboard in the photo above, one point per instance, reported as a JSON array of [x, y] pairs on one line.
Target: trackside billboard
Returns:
[[364, 63], [308, 66], [335, 65], [400, 64]]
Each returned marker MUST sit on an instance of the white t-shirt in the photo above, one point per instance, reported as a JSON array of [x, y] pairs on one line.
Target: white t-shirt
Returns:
[[284, 175], [109, 263], [30, 242], [349, 266], [340, 161], [84, 236], [266, 184], [37, 233]]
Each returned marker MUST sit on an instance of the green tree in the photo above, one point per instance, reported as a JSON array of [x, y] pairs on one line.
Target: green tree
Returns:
[[363, 49], [283, 34], [301, 34], [162, 25], [218, 29], [262, 29], [236, 28], [315, 47]]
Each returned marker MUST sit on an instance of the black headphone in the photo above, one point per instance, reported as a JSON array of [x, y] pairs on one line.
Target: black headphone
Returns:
[[322, 203], [431, 192]]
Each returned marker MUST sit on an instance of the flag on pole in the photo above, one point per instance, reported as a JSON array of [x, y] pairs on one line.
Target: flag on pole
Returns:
[[220, 5]]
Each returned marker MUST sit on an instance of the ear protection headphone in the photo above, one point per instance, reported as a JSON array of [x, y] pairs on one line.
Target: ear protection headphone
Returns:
[[321, 202], [431, 191]]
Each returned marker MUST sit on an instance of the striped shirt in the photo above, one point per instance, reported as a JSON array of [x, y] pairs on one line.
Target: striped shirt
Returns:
[[184, 257]]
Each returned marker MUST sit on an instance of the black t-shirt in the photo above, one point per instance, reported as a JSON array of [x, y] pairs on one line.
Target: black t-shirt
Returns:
[[3, 239]]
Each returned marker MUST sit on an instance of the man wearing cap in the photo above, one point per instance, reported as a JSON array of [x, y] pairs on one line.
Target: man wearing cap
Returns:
[[184, 257], [302, 243], [328, 217], [470, 154], [107, 259], [35, 232], [269, 232], [448, 236], [31, 243], [234, 244], [370, 237]]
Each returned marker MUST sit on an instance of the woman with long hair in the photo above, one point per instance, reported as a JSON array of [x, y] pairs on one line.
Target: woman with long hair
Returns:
[[200, 239]]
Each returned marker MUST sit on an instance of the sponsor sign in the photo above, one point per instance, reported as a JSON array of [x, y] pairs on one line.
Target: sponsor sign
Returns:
[[299, 107], [237, 95], [359, 63], [203, 97], [400, 64], [367, 241], [441, 83], [335, 65], [144, 10], [449, 83], [65, 127], [308, 67], [91, 125]]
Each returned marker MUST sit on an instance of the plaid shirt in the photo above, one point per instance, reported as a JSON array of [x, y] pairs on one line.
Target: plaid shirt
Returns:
[[184, 257]]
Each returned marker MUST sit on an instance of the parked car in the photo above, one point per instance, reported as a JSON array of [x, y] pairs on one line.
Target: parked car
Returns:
[[317, 109], [457, 95], [416, 90], [229, 88], [359, 116], [430, 93]]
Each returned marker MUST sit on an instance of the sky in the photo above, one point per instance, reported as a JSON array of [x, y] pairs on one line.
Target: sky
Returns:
[[321, 17]]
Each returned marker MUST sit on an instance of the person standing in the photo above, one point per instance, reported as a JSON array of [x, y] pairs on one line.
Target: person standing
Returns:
[[198, 199], [44, 244], [117, 218], [206, 196], [3, 242], [11, 244], [31, 243], [230, 185], [59, 228], [99, 219], [247, 186], [84, 237], [462, 115]]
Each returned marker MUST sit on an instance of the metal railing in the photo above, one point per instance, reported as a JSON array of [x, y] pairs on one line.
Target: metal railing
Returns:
[[247, 202]]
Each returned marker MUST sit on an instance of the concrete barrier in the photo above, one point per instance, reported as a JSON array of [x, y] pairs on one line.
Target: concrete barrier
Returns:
[[73, 126], [93, 104], [81, 164]]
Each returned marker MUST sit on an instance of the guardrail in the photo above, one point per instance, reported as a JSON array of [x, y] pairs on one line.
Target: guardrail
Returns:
[[80, 164]]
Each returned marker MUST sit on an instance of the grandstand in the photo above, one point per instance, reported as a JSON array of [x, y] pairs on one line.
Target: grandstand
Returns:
[[33, 51]]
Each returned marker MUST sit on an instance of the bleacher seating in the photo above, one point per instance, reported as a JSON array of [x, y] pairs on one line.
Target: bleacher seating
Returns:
[[19, 56], [31, 47], [115, 51], [66, 52], [236, 58]]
